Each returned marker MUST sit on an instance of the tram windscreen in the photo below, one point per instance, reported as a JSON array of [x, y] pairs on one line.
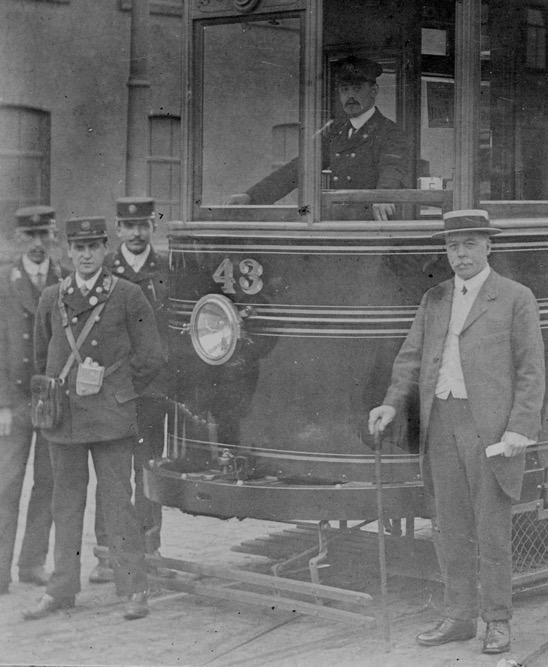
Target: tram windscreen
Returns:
[[250, 112]]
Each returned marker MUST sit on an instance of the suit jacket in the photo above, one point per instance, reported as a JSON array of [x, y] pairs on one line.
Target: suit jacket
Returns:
[[18, 304], [126, 331], [375, 156], [153, 279], [502, 358]]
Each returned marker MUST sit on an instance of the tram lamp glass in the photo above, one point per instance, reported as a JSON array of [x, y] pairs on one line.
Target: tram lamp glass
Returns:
[[215, 328]]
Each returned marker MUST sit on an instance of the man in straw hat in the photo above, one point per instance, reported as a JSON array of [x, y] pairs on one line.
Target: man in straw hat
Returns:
[[475, 354], [20, 286], [108, 326]]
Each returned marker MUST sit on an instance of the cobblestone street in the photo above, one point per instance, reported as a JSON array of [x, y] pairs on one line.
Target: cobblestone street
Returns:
[[185, 629]]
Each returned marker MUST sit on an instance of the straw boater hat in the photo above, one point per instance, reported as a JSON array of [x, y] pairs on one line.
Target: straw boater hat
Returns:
[[470, 220]]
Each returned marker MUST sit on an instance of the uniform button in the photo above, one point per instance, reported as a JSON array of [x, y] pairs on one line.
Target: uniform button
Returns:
[[27, 316], [352, 154], [150, 286], [335, 178], [97, 318], [349, 178], [99, 290], [337, 155], [152, 265], [70, 290], [26, 336], [74, 320], [94, 343], [18, 381], [67, 392], [93, 301], [25, 360]]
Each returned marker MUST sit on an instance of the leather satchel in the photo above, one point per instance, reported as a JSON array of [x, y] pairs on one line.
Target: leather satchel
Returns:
[[45, 401]]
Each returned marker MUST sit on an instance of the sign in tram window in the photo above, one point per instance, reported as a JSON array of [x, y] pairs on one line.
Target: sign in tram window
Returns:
[[250, 90]]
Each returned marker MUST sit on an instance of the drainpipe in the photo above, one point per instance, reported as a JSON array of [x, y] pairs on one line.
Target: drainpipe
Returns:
[[138, 100]]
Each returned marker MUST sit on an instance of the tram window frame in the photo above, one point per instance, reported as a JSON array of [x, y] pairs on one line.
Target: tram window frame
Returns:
[[202, 211]]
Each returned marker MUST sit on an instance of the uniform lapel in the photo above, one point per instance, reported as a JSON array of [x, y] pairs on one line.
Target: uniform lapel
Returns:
[[25, 292], [122, 269], [76, 302], [445, 305]]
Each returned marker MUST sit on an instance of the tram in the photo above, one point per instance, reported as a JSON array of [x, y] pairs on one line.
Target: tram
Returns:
[[285, 317]]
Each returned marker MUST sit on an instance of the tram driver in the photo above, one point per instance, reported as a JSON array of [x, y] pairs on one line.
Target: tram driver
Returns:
[[362, 150]]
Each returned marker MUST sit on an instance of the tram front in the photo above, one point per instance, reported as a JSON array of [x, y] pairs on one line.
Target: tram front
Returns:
[[305, 244]]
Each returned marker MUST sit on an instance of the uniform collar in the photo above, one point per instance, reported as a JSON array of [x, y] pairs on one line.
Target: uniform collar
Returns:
[[34, 269], [359, 121], [135, 261], [89, 283], [100, 290]]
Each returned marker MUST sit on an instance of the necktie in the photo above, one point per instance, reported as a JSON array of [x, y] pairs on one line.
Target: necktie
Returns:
[[464, 290], [84, 290], [38, 280]]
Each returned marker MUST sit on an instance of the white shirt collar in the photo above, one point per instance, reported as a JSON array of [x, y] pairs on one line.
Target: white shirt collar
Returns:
[[360, 121], [34, 269], [473, 284], [135, 261], [89, 283]]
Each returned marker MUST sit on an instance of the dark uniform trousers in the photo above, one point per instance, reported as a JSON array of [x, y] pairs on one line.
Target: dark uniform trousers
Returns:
[[149, 445], [112, 462], [14, 453], [473, 513], [152, 406]]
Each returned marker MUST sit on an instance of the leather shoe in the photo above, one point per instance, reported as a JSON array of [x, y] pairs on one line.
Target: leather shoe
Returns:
[[33, 575], [137, 606], [449, 630], [497, 637], [47, 605], [102, 573]]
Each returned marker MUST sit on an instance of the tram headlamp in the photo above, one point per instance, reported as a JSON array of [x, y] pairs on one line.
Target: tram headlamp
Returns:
[[215, 328]]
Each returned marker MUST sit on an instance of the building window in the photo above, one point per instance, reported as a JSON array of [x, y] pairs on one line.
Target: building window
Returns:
[[536, 39], [170, 7], [164, 168], [24, 158]]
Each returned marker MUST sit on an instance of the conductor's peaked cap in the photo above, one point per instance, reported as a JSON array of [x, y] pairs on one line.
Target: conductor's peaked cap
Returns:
[[355, 69]]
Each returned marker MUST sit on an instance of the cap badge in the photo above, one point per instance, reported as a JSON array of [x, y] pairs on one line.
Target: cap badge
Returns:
[[86, 225], [132, 208], [35, 218]]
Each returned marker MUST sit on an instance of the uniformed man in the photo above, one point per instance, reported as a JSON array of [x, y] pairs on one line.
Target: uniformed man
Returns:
[[20, 287], [115, 363], [363, 150], [137, 261]]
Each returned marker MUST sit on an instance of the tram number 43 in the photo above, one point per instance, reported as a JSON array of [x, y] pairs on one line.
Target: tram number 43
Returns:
[[249, 280]]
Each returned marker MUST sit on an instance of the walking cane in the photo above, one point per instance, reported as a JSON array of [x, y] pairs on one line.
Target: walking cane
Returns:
[[382, 551]]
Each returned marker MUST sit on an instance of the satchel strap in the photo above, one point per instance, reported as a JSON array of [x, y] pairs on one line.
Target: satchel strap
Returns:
[[77, 344]]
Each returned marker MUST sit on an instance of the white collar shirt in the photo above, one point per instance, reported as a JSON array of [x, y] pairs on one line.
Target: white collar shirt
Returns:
[[36, 272], [451, 378], [361, 120], [135, 261], [89, 283]]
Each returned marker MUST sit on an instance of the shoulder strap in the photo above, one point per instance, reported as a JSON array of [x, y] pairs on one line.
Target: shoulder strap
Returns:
[[77, 344]]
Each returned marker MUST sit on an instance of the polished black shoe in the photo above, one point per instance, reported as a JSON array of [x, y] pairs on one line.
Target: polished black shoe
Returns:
[[47, 605], [497, 637], [137, 606], [33, 575], [102, 573], [449, 630]]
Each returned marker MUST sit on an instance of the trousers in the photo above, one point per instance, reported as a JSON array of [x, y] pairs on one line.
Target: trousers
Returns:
[[14, 455], [150, 444], [112, 463], [473, 514]]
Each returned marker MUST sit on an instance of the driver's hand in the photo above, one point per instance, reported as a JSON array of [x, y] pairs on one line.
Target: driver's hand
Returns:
[[384, 211], [238, 200]]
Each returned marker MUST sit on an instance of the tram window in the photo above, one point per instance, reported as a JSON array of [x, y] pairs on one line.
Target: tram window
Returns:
[[514, 132], [251, 89]]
